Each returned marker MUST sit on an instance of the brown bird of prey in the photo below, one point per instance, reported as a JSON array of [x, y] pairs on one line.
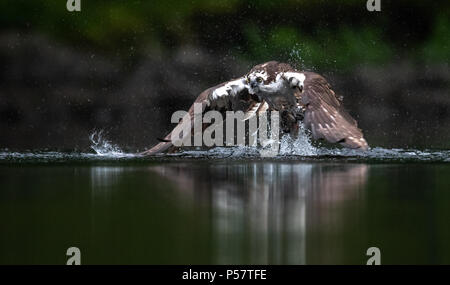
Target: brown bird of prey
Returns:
[[297, 95]]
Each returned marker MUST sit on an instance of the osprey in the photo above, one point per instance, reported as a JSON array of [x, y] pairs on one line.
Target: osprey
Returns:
[[297, 95]]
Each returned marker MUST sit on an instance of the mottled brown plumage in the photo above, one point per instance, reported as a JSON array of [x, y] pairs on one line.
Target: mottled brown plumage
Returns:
[[296, 94], [322, 111], [325, 115], [242, 101]]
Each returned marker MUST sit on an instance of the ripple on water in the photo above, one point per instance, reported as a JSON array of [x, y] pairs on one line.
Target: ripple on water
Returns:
[[240, 153], [298, 149]]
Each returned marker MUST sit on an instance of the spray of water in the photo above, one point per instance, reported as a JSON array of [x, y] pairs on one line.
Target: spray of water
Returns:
[[298, 146], [103, 147], [295, 56]]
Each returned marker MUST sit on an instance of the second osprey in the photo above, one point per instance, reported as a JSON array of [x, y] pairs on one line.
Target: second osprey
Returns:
[[297, 95]]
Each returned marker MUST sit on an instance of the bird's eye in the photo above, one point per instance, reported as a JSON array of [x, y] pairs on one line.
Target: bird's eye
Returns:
[[259, 79]]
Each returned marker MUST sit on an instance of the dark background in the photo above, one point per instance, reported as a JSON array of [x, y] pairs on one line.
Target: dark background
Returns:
[[125, 66]]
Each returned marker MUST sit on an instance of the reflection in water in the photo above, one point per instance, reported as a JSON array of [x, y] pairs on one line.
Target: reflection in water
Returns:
[[266, 209], [225, 211], [103, 181], [103, 177]]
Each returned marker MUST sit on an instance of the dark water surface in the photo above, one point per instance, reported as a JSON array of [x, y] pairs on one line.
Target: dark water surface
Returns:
[[202, 208]]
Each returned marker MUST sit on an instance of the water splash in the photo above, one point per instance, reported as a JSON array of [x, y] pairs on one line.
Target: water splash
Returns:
[[297, 149], [103, 147], [299, 146], [296, 56], [290, 153]]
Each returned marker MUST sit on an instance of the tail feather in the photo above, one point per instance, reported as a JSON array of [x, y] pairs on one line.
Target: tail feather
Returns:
[[166, 143], [160, 147]]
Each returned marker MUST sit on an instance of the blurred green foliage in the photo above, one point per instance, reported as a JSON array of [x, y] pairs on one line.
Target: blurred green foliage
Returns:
[[437, 47], [317, 34], [346, 48]]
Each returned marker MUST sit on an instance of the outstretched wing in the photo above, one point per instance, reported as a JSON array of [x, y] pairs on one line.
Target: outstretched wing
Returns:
[[325, 115], [228, 96]]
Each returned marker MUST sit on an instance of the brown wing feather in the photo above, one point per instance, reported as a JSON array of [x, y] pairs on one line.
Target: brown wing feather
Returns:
[[326, 117], [241, 102]]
